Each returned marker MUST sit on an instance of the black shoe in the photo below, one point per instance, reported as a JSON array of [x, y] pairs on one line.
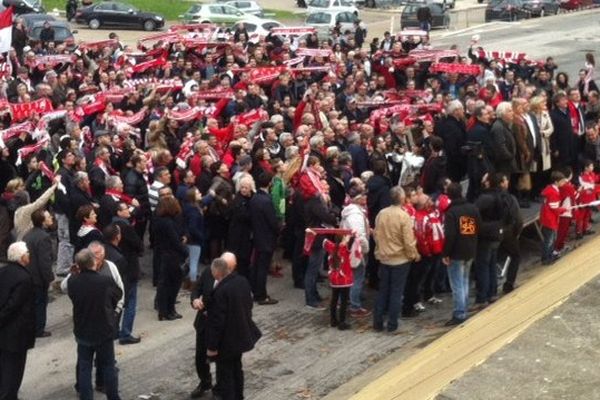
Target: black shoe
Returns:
[[169, 317], [130, 340], [579, 236], [199, 391], [299, 286], [267, 302], [343, 326], [506, 289], [100, 388], [333, 323], [589, 232], [43, 334], [378, 328], [177, 315], [454, 322]]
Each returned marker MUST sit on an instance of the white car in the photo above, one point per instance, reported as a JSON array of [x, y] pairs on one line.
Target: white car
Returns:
[[331, 5], [261, 28], [216, 13], [247, 6], [324, 21]]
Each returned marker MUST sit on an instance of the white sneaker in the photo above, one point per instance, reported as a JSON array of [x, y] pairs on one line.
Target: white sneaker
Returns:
[[419, 307], [435, 300]]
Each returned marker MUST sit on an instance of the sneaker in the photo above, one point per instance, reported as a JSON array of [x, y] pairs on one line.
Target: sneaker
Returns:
[[360, 313], [589, 232], [267, 302], [315, 307], [435, 300], [419, 307], [478, 307], [454, 322]]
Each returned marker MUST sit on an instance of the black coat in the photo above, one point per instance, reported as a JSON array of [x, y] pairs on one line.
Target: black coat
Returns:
[[433, 172], [171, 250], [230, 329], [505, 148], [265, 225], [454, 134], [461, 228], [17, 308], [62, 204], [135, 186], [132, 248], [239, 235], [563, 139], [41, 256], [114, 255], [97, 181], [204, 288], [108, 209], [95, 299], [378, 195]]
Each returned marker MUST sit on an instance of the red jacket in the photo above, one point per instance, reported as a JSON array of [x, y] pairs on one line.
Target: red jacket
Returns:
[[429, 232], [587, 187], [340, 276], [568, 195], [550, 211]]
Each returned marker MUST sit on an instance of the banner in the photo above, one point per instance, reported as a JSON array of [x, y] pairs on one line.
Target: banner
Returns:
[[299, 30], [251, 117], [119, 118], [50, 61], [214, 94], [15, 130], [143, 66], [303, 51], [431, 55], [21, 111], [452, 68]]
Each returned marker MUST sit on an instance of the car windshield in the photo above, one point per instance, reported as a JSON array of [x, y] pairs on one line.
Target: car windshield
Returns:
[[268, 25], [60, 33], [319, 3], [318, 18], [194, 9]]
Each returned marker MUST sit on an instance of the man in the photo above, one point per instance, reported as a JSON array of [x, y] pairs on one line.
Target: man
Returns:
[[461, 228], [62, 208], [112, 238], [95, 298], [230, 331], [100, 171], [480, 150], [563, 141], [265, 226], [17, 319], [453, 131], [41, 258], [79, 196], [162, 178], [135, 186], [395, 249], [505, 148]]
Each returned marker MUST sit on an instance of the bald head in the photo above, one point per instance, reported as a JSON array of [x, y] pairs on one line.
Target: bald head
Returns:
[[230, 259]]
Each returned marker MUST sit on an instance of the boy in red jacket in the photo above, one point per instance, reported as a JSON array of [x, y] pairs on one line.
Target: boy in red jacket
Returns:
[[568, 196], [340, 279], [549, 215], [587, 194]]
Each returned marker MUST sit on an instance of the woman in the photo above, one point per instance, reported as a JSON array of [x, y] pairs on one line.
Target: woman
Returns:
[[539, 108], [88, 232], [562, 82], [194, 223], [239, 238], [171, 255], [590, 65]]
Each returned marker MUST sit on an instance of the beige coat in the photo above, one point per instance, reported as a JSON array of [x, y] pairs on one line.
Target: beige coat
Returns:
[[546, 130], [395, 241]]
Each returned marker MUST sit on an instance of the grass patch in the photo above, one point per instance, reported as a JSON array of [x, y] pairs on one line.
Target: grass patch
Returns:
[[169, 9]]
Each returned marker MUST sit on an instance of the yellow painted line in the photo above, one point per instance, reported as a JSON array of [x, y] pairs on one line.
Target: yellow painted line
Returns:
[[424, 375]]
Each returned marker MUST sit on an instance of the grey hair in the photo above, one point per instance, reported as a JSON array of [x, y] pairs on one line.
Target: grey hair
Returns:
[[453, 106], [85, 259], [79, 177], [219, 265], [16, 251], [291, 152], [503, 108], [316, 141], [284, 137], [397, 195], [112, 182], [95, 244]]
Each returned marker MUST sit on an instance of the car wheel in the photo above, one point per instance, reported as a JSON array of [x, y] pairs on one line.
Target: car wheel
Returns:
[[149, 25], [205, 22], [94, 23]]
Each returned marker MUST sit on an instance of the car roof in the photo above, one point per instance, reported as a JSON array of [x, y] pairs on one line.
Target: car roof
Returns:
[[58, 24], [37, 16]]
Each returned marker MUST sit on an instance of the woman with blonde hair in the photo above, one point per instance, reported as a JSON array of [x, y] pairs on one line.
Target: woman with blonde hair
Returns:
[[539, 108]]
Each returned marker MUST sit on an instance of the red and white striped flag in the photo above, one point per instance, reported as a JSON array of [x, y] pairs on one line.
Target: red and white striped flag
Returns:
[[6, 19]]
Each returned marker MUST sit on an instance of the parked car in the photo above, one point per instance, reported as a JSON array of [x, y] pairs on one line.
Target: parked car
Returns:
[[439, 16], [30, 19], [505, 10], [62, 32], [331, 5], [216, 13], [24, 6], [443, 3], [572, 4], [247, 6], [324, 21], [540, 8], [113, 13], [261, 28]]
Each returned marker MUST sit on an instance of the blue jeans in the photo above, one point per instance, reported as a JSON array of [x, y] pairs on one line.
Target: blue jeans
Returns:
[[458, 273], [105, 357], [356, 289], [548, 245], [129, 312], [194, 251], [486, 273], [315, 263], [392, 279]]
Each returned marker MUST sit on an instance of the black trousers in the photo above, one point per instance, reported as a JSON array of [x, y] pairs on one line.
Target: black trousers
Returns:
[[258, 274], [299, 260], [414, 283], [41, 306], [202, 363], [12, 367], [341, 295], [230, 377], [510, 247], [168, 287]]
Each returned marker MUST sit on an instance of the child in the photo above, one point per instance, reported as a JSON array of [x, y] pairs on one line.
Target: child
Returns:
[[340, 280], [587, 194], [568, 194], [549, 215]]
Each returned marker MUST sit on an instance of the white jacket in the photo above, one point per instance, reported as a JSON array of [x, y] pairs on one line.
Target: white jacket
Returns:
[[355, 218]]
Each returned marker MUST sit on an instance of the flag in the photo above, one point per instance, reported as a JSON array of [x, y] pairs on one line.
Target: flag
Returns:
[[6, 20]]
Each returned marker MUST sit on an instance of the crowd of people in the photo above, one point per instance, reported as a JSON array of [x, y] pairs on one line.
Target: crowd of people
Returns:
[[207, 147]]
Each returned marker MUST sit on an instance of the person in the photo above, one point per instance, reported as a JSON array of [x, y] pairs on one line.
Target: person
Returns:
[[340, 280], [47, 34], [452, 130], [162, 178], [395, 249], [567, 197], [461, 229], [587, 193], [41, 258], [194, 224], [63, 211], [88, 232], [17, 319], [95, 298], [563, 141], [505, 148], [171, 254], [230, 330], [265, 228], [239, 234], [71, 9], [22, 218]]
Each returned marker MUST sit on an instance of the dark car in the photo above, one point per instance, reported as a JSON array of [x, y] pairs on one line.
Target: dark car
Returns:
[[30, 19], [24, 6], [117, 14], [505, 10], [439, 16], [62, 32], [540, 8]]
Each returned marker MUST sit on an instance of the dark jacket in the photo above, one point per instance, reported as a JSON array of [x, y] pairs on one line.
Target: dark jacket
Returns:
[[454, 134], [204, 289], [41, 256], [135, 186], [434, 170], [492, 215], [239, 235], [95, 299], [360, 158], [378, 195], [171, 250], [230, 329], [316, 215], [265, 225], [98, 181], [563, 140], [194, 223], [132, 248], [108, 209], [461, 228], [114, 255], [62, 203], [505, 148], [17, 308]]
